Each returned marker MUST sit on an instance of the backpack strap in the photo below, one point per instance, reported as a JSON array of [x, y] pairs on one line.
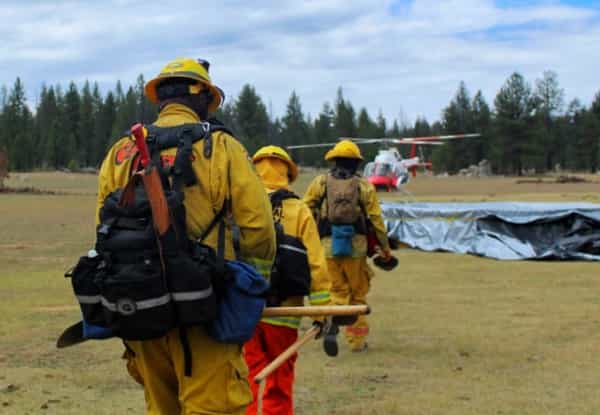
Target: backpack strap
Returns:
[[277, 197], [280, 195]]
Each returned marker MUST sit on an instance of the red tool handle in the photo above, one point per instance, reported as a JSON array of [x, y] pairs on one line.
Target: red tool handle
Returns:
[[138, 132]]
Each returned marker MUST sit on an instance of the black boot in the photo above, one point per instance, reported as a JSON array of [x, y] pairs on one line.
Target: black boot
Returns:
[[330, 344]]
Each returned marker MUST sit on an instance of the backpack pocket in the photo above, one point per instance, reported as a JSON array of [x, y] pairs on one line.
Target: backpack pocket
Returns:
[[84, 279], [191, 289], [291, 263], [136, 301], [341, 240]]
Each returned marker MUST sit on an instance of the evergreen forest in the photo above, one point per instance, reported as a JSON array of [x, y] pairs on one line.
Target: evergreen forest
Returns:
[[527, 128]]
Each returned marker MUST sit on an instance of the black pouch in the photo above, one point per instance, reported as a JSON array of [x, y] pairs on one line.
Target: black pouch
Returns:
[[292, 268], [85, 277], [190, 283], [137, 304]]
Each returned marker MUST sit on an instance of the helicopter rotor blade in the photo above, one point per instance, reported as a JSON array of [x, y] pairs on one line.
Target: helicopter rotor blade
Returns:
[[429, 140], [311, 145]]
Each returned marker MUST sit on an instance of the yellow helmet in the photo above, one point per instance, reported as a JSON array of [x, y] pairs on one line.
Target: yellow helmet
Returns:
[[196, 70], [278, 153], [345, 149]]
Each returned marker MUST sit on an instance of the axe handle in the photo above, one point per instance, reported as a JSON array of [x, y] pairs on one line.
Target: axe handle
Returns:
[[314, 311], [138, 133], [279, 360]]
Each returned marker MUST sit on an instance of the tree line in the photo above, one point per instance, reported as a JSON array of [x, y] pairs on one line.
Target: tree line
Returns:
[[528, 128]]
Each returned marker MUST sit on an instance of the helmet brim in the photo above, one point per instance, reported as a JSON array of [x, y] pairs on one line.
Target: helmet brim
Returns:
[[292, 167], [216, 92]]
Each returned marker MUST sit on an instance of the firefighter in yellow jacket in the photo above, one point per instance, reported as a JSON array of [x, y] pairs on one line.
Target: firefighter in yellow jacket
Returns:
[[346, 206], [218, 384], [307, 261]]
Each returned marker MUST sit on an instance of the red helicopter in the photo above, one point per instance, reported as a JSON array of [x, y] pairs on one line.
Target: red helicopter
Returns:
[[390, 171]]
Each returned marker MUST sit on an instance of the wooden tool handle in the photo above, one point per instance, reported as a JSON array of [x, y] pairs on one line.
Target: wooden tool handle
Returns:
[[138, 133], [314, 311], [279, 360]]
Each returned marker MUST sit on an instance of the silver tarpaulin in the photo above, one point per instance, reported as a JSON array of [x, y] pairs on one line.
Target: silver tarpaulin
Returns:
[[501, 230]]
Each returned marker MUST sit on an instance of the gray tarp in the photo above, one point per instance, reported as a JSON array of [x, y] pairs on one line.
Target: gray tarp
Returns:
[[501, 230]]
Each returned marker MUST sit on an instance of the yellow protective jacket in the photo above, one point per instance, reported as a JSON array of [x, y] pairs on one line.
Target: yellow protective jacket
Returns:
[[227, 174], [316, 199], [297, 221]]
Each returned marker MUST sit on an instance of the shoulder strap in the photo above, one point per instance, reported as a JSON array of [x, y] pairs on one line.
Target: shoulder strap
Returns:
[[324, 195], [183, 137], [277, 197], [214, 126], [280, 195]]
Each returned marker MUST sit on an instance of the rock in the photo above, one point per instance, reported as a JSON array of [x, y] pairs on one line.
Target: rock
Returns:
[[9, 388]]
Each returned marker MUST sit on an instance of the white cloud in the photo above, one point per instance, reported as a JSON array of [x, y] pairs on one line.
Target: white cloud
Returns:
[[410, 60]]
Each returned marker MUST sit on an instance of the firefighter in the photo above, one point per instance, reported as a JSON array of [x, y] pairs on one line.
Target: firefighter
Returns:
[[346, 208], [218, 383], [300, 269]]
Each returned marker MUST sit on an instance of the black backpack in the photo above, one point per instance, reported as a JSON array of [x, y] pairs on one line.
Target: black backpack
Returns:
[[141, 285], [290, 276]]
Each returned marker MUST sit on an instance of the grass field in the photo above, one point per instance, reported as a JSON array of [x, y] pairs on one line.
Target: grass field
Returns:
[[451, 334]]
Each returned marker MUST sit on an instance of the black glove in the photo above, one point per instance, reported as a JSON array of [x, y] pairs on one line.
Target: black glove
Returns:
[[385, 263], [322, 325]]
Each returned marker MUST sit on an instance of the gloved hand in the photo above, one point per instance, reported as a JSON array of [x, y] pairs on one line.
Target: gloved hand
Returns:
[[323, 324], [385, 261], [394, 243]]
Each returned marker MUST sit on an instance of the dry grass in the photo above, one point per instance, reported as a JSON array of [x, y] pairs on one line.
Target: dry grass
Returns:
[[451, 334]]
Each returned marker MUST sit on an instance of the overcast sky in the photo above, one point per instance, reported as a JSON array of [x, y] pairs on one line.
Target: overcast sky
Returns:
[[391, 56]]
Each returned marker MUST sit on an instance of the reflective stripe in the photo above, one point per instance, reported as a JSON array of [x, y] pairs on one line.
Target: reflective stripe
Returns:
[[139, 305], [88, 299], [291, 322], [151, 302], [293, 248], [261, 265], [193, 295], [319, 297]]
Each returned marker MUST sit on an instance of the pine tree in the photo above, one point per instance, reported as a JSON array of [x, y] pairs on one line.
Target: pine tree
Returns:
[[549, 98], [591, 141], [72, 125], [47, 119], [86, 126], [345, 117], [457, 118], [17, 129], [481, 117], [381, 125], [295, 129], [367, 128], [514, 121], [103, 127], [146, 111], [574, 139], [251, 118], [324, 132]]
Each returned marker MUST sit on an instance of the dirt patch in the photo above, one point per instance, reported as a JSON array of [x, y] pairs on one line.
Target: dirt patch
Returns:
[[17, 247], [553, 180], [29, 190]]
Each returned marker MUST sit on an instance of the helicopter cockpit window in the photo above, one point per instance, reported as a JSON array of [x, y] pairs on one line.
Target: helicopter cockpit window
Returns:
[[397, 171], [383, 169], [369, 168]]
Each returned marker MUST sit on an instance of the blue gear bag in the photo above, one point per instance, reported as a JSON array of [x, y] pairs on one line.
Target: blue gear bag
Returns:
[[341, 240], [241, 306]]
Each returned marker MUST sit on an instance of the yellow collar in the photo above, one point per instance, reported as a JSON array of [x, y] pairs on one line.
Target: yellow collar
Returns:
[[176, 114]]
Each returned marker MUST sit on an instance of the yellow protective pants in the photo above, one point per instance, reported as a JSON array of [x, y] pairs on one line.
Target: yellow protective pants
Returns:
[[218, 384], [350, 283]]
